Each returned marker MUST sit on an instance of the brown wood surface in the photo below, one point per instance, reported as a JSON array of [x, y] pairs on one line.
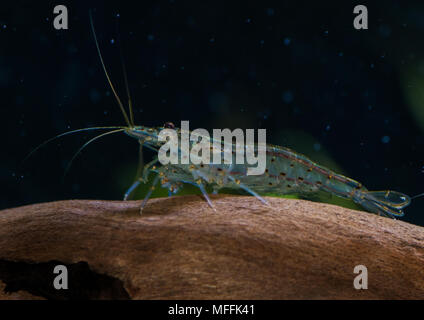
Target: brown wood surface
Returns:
[[181, 249]]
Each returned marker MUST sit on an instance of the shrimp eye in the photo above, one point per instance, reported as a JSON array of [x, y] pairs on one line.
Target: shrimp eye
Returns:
[[169, 125]]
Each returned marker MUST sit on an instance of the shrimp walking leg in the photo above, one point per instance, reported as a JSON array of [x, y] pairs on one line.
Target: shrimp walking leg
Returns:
[[137, 179], [131, 190], [146, 198], [140, 178], [247, 189], [146, 169], [205, 194], [140, 161]]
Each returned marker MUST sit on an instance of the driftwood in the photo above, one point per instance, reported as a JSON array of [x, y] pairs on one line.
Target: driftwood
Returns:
[[181, 249]]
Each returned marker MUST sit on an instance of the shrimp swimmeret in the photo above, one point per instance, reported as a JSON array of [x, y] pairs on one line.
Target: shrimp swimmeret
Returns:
[[287, 172]]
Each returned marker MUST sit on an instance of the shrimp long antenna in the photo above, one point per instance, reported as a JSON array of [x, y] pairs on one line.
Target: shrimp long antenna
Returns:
[[86, 144], [121, 106], [124, 69], [65, 134], [417, 196]]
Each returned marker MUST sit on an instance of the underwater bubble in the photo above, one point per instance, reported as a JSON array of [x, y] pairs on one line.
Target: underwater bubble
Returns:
[[385, 139], [317, 146], [286, 41], [4, 26], [385, 31], [182, 67], [372, 65], [218, 102], [112, 41], [94, 96], [212, 40], [326, 32], [287, 96], [118, 15], [328, 127], [262, 42], [248, 20], [150, 37], [264, 114], [270, 12]]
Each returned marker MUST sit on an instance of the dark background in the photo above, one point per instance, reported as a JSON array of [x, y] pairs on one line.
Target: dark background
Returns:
[[351, 100]]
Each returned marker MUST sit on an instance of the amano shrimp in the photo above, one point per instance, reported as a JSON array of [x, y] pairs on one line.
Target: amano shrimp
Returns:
[[287, 172]]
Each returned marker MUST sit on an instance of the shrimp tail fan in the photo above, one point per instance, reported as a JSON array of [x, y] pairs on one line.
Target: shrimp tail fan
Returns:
[[387, 203]]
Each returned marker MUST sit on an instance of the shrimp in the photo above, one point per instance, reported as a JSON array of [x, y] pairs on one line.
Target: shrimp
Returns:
[[287, 172]]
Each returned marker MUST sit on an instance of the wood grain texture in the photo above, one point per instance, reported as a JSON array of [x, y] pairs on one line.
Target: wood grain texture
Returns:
[[180, 249]]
